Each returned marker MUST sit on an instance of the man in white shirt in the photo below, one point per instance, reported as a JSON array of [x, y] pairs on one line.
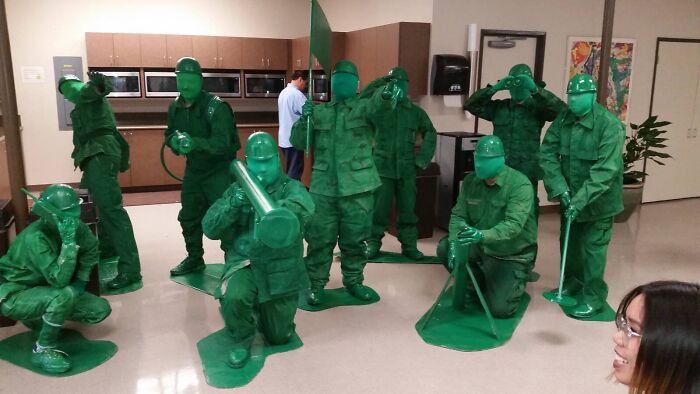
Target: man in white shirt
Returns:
[[289, 103]]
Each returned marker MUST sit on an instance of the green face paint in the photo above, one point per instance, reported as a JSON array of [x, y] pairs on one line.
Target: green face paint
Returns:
[[343, 85], [581, 103], [266, 171], [488, 167], [71, 90], [189, 85], [519, 94]]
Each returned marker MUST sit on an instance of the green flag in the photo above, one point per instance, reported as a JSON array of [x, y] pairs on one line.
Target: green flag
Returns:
[[320, 38]]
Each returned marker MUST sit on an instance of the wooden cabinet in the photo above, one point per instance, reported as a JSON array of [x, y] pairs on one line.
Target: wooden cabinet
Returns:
[[146, 169], [178, 47], [204, 49], [154, 52], [229, 51], [113, 50], [264, 53], [378, 49], [300, 52]]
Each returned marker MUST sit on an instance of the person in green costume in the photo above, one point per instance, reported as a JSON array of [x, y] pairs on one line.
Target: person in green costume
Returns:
[[581, 157], [397, 163], [101, 153], [43, 275], [518, 121], [202, 127], [257, 276], [342, 179], [494, 215]]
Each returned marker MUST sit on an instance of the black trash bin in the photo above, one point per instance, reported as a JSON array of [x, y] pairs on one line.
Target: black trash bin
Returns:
[[7, 219]]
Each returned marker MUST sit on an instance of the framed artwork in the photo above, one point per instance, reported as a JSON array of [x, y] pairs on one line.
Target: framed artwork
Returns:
[[583, 57]]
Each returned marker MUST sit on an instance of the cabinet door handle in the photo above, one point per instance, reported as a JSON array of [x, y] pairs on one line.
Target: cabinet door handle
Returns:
[[111, 60], [268, 62], [164, 62], [262, 60], [116, 63], [221, 61]]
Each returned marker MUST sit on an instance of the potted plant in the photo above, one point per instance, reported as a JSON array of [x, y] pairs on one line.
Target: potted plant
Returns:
[[644, 143]]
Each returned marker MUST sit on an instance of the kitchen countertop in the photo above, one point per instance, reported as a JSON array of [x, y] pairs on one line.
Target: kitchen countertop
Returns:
[[157, 126]]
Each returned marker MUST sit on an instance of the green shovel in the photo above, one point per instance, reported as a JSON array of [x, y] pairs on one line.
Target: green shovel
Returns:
[[557, 297]]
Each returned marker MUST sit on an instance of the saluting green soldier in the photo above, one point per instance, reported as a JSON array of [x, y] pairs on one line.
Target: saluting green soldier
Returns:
[[43, 276], [257, 276], [342, 179], [202, 127], [518, 121], [582, 161], [398, 132], [494, 214], [101, 153]]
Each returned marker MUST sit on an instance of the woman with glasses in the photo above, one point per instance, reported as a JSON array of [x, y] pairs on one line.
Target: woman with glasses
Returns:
[[657, 345]]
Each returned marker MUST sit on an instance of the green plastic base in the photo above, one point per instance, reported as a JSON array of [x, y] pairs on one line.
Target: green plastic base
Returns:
[[398, 258], [214, 351], [84, 354], [205, 281], [605, 315], [563, 300], [108, 270], [335, 297], [468, 329]]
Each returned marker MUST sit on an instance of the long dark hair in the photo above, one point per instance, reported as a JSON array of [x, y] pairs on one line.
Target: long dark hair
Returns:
[[668, 360]]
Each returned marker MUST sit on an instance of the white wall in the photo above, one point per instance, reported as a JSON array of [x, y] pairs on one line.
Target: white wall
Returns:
[[344, 15], [41, 29]]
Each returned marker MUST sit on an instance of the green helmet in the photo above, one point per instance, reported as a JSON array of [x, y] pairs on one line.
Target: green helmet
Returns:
[[520, 69], [489, 146], [261, 146], [398, 73], [61, 197], [188, 65], [581, 83], [66, 78], [345, 66]]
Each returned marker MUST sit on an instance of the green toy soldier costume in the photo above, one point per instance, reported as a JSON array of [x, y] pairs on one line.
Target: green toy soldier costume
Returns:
[[494, 213], [342, 179], [582, 161], [258, 276], [202, 127], [397, 163], [101, 153], [43, 275]]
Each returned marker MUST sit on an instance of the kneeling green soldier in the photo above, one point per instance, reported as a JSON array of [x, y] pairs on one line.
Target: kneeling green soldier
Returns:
[[259, 276], [494, 214], [43, 276]]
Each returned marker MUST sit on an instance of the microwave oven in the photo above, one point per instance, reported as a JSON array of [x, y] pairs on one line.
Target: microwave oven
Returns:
[[124, 83], [320, 87], [222, 84], [160, 84], [264, 85], [164, 84]]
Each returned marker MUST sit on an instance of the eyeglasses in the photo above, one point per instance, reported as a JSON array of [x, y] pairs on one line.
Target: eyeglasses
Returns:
[[623, 326]]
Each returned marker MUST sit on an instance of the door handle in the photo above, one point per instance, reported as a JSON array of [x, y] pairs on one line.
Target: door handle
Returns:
[[111, 60], [262, 60], [268, 62], [116, 63]]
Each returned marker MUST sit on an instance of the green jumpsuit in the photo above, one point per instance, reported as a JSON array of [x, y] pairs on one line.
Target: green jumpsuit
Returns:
[[505, 257], [396, 161], [584, 157], [257, 276], [212, 125], [35, 279], [343, 177], [98, 150]]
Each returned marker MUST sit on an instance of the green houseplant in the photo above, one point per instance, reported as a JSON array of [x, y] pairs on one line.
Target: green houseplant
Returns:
[[646, 142]]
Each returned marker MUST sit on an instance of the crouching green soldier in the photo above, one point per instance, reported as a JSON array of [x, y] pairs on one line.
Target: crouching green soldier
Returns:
[[101, 152], [43, 275], [265, 212], [494, 215]]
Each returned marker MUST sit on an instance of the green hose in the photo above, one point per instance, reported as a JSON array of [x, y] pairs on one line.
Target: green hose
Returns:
[[165, 166]]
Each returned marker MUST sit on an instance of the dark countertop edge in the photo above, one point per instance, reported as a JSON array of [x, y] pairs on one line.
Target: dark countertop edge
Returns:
[[157, 127]]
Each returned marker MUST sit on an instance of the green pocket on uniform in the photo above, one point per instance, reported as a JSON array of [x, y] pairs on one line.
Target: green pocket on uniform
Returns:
[[320, 165], [361, 163], [281, 276]]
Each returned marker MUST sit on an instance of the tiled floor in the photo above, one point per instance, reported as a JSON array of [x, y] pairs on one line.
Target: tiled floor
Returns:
[[374, 349]]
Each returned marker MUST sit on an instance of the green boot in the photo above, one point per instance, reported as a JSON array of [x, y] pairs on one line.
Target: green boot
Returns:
[[412, 253], [360, 291], [315, 296], [238, 357], [123, 280], [372, 249], [188, 265], [50, 359]]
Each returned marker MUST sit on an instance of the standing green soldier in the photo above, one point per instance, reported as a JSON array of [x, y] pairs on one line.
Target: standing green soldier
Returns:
[[518, 121], [101, 153], [397, 163], [582, 162], [202, 127], [43, 275], [494, 214], [342, 179], [257, 276]]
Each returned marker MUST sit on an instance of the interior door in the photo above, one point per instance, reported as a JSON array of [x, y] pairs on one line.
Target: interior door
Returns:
[[677, 99]]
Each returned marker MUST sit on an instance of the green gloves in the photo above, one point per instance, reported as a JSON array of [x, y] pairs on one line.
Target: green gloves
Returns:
[[98, 79], [307, 109], [239, 198], [181, 142], [520, 87], [451, 255], [470, 235], [571, 213], [79, 286], [66, 229], [565, 199]]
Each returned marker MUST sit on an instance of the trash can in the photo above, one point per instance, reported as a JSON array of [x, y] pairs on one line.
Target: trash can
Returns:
[[426, 196], [7, 219]]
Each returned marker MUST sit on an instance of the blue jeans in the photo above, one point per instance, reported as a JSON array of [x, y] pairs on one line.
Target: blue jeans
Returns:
[[295, 162]]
